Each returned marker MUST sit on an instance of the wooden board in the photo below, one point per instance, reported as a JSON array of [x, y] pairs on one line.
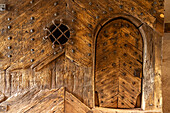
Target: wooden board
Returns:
[[39, 101], [56, 100], [72, 104], [119, 64]]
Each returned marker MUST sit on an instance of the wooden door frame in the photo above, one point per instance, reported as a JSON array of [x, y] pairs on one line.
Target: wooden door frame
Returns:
[[138, 24]]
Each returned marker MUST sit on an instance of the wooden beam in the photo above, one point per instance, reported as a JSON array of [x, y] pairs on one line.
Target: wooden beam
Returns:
[[47, 60]]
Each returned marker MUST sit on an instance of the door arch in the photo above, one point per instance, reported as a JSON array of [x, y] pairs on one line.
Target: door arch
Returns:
[[118, 65]]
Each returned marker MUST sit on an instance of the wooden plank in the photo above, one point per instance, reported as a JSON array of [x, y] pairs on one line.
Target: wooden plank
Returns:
[[60, 71], [47, 60], [69, 107], [148, 85], [108, 110], [8, 84], [54, 101], [2, 81], [14, 82], [158, 64], [87, 87], [74, 102], [37, 101]]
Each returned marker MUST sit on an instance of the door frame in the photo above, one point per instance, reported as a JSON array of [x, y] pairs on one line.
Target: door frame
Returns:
[[138, 24]]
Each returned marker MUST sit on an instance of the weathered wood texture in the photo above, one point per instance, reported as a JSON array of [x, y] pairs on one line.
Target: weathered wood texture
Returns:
[[27, 60], [35, 100], [72, 104], [104, 110], [52, 101], [166, 62], [152, 69], [79, 15], [119, 59]]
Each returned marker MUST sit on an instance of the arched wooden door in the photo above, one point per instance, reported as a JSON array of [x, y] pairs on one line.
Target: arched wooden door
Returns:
[[118, 66]]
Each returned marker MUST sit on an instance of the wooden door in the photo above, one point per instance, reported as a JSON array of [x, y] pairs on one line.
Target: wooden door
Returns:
[[118, 69]]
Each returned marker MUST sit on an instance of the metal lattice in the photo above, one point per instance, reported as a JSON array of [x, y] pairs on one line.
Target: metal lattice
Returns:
[[58, 34]]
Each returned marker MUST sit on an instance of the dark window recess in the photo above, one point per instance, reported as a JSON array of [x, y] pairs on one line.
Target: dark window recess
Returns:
[[58, 34]]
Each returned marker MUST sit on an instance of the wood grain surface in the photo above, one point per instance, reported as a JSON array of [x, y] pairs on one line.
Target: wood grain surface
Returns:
[[28, 58], [119, 64]]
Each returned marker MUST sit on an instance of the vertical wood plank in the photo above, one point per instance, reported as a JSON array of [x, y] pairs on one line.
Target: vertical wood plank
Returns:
[[8, 84], [2, 81], [60, 71]]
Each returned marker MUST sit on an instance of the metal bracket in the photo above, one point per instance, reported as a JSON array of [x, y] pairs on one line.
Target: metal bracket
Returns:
[[2, 7]]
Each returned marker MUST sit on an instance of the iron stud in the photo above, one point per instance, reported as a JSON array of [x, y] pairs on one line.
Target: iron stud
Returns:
[[126, 34], [121, 6], [9, 27], [32, 60], [110, 9], [124, 74], [132, 8], [89, 25], [32, 30], [42, 51], [104, 12], [89, 35], [9, 38], [73, 51], [31, 1], [55, 53], [72, 60], [32, 18], [9, 47], [9, 56], [73, 20], [73, 11], [56, 3], [105, 58], [55, 14], [9, 19], [114, 64]]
